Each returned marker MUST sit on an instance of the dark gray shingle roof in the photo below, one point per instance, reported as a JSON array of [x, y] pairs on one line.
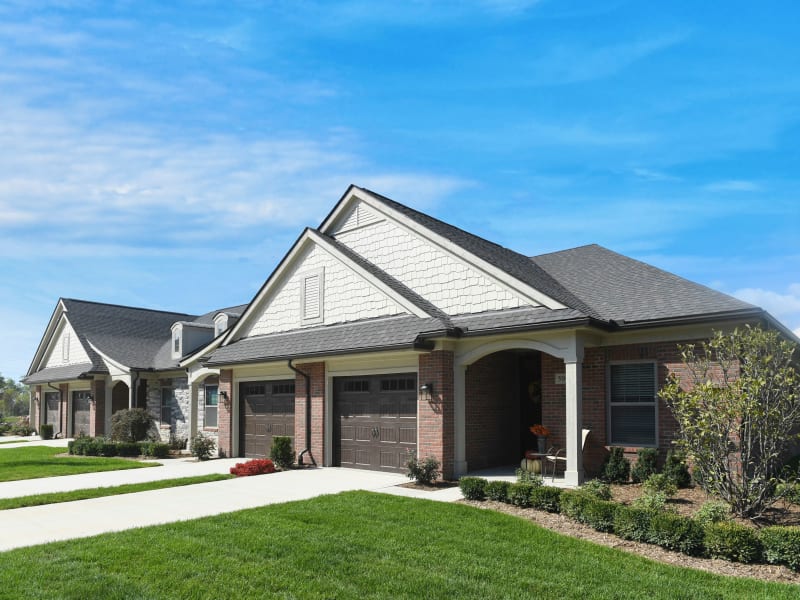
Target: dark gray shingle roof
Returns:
[[517, 318], [61, 373], [623, 289]]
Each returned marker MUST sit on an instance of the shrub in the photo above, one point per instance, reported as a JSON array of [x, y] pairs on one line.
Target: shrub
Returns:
[[660, 483], [497, 491], [257, 466], [791, 492], [655, 501], [131, 425], [631, 523], [107, 448], [676, 532], [203, 447], [177, 443], [599, 514], [473, 488], [424, 472], [713, 511], [524, 476], [519, 494], [46, 431], [22, 427], [732, 541], [281, 451], [546, 498], [573, 504], [645, 465], [78, 445], [616, 468], [598, 489], [155, 449], [71, 447], [128, 449], [675, 468], [92, 447], [781, 546]]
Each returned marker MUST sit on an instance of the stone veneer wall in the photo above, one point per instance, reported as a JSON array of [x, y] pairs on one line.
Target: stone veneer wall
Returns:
[[179, 411]]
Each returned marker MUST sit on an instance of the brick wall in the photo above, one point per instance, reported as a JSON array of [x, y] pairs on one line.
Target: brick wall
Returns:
[[37, 406], [64, 389], [316, 371], [225, 431], [435, 424], [97, 408], [492, 412]]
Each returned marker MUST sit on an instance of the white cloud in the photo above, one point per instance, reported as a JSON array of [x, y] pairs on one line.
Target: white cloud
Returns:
[[784, 306]]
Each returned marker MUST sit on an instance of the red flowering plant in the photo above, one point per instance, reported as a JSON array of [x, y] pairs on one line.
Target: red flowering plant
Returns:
[[540, 430], [257, 466]]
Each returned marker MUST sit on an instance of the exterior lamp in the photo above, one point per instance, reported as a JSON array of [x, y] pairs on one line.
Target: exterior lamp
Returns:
[[226, 399], [427, 391]]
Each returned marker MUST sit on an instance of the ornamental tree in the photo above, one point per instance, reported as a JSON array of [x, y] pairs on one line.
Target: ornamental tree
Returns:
[[738, 409]]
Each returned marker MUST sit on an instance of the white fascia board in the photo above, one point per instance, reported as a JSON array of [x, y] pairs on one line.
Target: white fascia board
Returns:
[[47, 337], [366, 275], [499, 276], [110, 361]]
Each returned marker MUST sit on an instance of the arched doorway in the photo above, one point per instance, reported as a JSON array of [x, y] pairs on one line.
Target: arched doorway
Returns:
[[120, 397]]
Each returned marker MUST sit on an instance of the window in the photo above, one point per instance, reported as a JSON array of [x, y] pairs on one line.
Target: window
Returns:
[[219, 327], [632, 404], [283, 388], [356, 385], [167, 397], [176, 342], [212, 401], [401, 384]]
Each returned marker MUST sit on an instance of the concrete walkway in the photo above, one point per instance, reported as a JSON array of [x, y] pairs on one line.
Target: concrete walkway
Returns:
[[68, 520]]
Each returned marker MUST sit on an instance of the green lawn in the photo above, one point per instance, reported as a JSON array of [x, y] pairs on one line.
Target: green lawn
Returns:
[[85, 494], [41, 461], [354, 545], [14, 442]]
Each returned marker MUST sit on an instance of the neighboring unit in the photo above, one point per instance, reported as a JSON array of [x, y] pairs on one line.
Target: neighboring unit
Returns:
[[385, 332]]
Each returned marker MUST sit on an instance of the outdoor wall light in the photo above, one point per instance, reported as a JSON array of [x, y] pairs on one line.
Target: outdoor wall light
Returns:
[[226, 400], [427, 391]]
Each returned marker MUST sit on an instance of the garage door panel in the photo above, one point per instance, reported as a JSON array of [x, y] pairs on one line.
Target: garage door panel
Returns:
[[80, 413], [375, 421], [265, 415]]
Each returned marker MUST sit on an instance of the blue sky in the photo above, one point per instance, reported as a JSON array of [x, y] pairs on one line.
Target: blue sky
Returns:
[[168, 156]]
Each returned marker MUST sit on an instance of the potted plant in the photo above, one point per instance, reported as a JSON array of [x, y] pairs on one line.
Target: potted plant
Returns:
[[541, 432]]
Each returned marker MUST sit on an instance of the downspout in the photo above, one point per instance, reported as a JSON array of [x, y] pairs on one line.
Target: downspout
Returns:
[[50, 385], [308, 415], [135, 391]]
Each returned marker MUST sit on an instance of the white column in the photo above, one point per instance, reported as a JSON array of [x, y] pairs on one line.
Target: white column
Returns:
[[109, 391], [574, 473], [459, 400]]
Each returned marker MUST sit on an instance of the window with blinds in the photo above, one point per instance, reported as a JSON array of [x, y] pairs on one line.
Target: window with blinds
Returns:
[[632, 390]]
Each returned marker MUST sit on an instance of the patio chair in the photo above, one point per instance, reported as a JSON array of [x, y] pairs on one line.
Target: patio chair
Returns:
[[560, 455]]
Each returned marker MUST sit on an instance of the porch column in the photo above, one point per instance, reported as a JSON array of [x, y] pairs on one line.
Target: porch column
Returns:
[[460, 418], [194, 386], [109, 393], [574, 473]]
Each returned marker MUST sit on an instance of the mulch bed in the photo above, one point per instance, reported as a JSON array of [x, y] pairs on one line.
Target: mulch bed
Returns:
[[437, 485], [686, 502]]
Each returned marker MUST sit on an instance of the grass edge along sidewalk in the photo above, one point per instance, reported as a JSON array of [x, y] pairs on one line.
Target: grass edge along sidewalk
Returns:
[[395, 548], [42, 461], [88, 493]]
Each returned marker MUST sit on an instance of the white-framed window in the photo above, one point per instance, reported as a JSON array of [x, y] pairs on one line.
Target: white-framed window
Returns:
[[167, 400], [311, 296], [176, 342], [633, 403], [211, 404]]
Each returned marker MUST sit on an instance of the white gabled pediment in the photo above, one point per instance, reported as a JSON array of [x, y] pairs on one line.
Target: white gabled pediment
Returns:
[[317, 284], [64, 347], [436, 268]]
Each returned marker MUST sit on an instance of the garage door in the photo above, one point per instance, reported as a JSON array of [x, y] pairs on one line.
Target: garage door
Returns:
[[267, 409], [51, 401], [375, 421], [80, 413]]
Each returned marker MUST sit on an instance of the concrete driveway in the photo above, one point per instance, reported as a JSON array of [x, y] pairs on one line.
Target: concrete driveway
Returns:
[[68, 520]]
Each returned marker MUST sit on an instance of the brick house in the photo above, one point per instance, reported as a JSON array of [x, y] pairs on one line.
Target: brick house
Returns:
[[386, 331]]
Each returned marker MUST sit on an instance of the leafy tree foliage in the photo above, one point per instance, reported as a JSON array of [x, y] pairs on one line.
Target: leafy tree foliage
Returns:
[[738, 409], [14, 398]]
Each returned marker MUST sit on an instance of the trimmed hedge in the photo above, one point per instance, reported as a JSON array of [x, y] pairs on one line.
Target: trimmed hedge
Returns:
[[781, 546], [473, 488], [546, 498], [519, 494], [46, 431], [128, 449], [155, 449], [734, 542], [497, 490], [678, 533], [632, 523], [589, 510], [257, 466]]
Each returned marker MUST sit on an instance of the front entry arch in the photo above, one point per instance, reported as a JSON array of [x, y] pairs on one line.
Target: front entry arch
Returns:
[[120, 397]]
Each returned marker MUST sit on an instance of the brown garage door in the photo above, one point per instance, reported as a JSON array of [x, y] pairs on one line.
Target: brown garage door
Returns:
[[267, 409], [375, 421], [51, 401], [80, 413]]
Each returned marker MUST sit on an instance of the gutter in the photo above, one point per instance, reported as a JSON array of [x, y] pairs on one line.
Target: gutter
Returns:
[[51, 386], [755, 313], [308, 415]]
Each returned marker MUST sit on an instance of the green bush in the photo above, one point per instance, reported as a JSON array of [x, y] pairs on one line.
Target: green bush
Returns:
[[598, 489], [616, 468], [599, 514], [497, 490], [177, 443], [631, 523], [79, 445], [203, 447], [790, 492], [425, 471], [713, 511], [732, 541], [155, 449], [46, 431], [675, 468], [22, 427], [128, 449], [281, 452], [93, 447], [519, 494], [107, 448], [473, 488], [524, 476], [781, 546], [676, 532], [646, 465], [71, 447], [654, 501], [131, 425], [660, 482], [546, 498], [573, 504]]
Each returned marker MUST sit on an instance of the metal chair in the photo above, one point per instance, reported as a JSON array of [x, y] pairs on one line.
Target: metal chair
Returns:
[[560, 455]]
